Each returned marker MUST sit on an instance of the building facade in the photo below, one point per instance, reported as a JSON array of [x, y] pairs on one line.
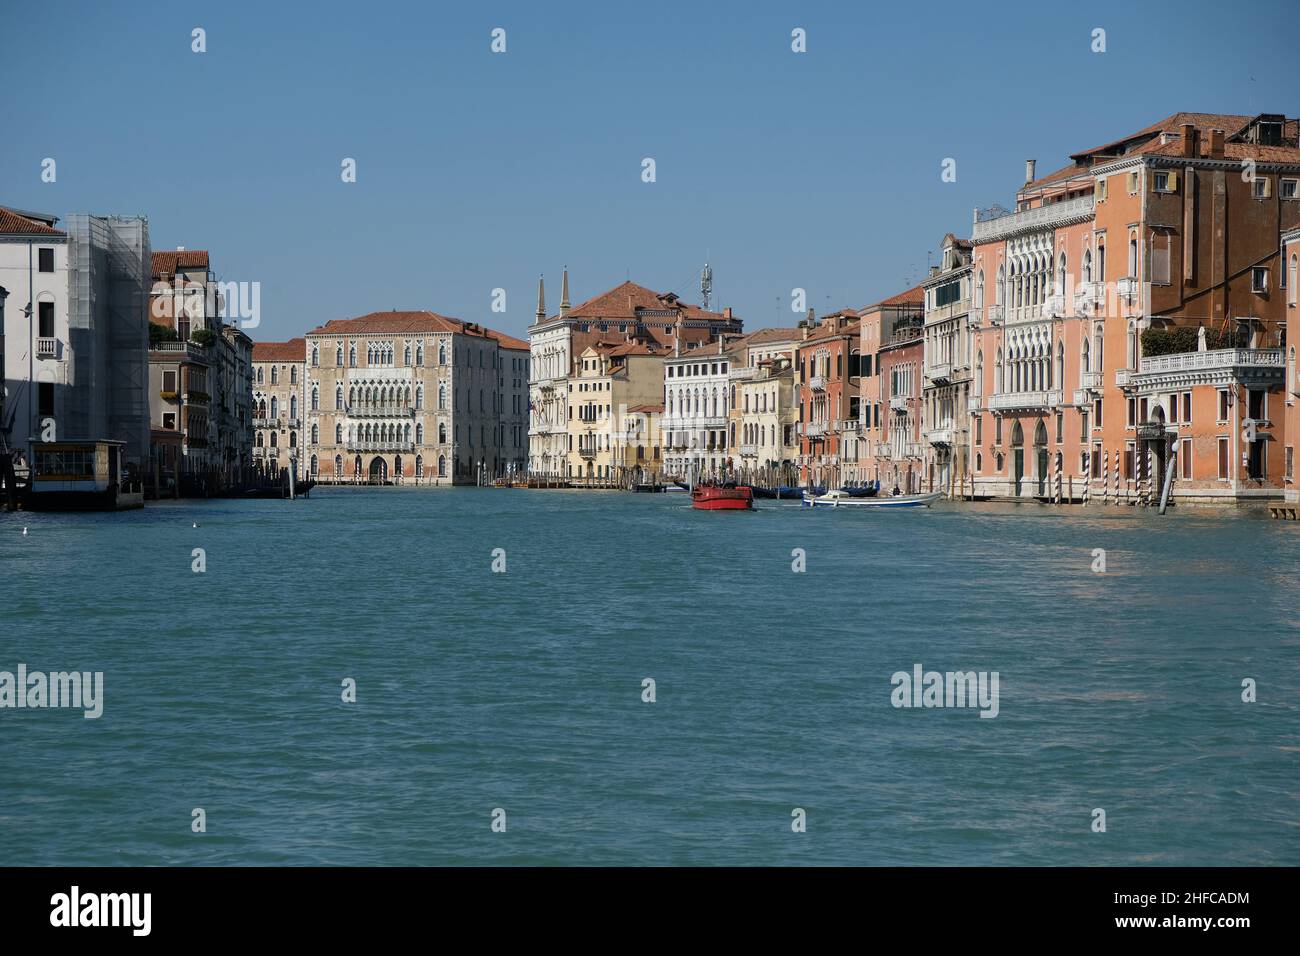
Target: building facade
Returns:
[[878, 324], [75, 308], [627, 310], [611, 445], [1135, 322], [947, 368], [830, 395], [697, 406], [279, 373], [411, 397]]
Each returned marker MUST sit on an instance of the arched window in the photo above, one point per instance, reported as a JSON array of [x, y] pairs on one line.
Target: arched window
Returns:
[[275, 407], [293, 375], [1293, 278], [1087, 265], [419, 360], [978, 384], [419, 466], [315, 466], [315, 355], [293, 406], [1097, 346], [315, 434], [275, 375], [293, 439], [442, 433], [338, 356], [1060, 276], [406, 354], [998, 379], [338, 433], [442, 395], [259, 375], [338, 464], [1132, 255], [352, 355], [315, 398], [442, 360], [979, 461], [1101, 261], [419, 433], [442, 466], [338, 395], [1060, 365], [275, 439], [257, 439], [1132, 341], [979, 290], [1085, 360], [998, 289]]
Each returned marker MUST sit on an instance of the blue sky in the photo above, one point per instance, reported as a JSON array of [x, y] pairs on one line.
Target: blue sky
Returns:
[[478, 170]]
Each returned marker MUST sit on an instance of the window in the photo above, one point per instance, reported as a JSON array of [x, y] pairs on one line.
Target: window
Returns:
[[1185, 459], [1133, 182], [1101, 190], [169, 381], [1223, 458], [315, 356], [45, 319], [1289, 188], [1223, 404], [169, 420], [1260, 187], [1162, 183], [1259, 280], [1096, 413], [44, 260], [1187, 407]]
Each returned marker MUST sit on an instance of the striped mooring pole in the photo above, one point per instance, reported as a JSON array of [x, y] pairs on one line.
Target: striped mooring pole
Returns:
[[1105, 478], [1058, 477]]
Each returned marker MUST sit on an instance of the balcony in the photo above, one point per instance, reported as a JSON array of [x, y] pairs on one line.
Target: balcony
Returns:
[[1038, 219], [817, 383], [396, 410], [1088, 298], [1012, 401], [913, 449], [995, 315], [587, 452], [849, 426], [940, 436], [1091, 380], [47, 348], [273, 423], [898, 403], [1123, 377], [1128, 288], [1055, 306], [815, 429], [882, 450], [195, 397], [361, 444], [1260, 367], [190, 350], [748, 451], [939, 372], [973, 403]]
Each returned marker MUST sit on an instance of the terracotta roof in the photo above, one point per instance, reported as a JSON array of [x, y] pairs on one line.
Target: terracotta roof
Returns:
[[390, 323], [166, 263], [624, 301], [646, 408], [15, 224], [765, 336], [295, 350], [1234, 151], [830, 331], [1230, 123], [913, 296], [506, 341]]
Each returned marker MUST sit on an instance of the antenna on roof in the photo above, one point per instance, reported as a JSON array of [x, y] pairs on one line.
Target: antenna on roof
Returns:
[[706, 284]]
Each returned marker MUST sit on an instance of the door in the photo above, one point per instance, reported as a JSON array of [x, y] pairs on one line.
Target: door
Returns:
[[1018, 457], [1042, 471]]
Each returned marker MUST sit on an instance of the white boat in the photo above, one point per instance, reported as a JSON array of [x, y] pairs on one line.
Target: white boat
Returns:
[[842, 499]]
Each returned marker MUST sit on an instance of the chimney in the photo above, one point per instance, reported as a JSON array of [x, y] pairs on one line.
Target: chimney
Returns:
[[180, 248], [720, 339], [1216, 144], [1030, 166], [726, 313], [1189, 139]]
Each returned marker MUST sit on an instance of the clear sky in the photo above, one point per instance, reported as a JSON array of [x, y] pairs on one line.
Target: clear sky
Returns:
[[476, 170]]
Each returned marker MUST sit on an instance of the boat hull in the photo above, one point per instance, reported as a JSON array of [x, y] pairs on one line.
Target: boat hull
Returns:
[[901, 501], [707, 498]]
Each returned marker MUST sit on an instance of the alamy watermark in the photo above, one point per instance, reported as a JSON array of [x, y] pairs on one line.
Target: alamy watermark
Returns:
[[922, 688], [36, 689]]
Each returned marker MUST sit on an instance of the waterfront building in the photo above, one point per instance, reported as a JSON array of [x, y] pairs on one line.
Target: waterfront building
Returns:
[[1290, 275], [75, 319], [697, 403], [764, 418], [411, 396], [556, 341], [878, 326], [277, 393], [947, 368], [900, 362], [609, 444], [827, 366], [200, 371], [1131, 315]]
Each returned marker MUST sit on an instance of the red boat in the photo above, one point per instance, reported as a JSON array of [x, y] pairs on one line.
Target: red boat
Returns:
[[717, 498]]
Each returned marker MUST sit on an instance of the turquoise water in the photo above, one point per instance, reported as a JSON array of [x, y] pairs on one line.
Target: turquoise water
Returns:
[[523, 690]]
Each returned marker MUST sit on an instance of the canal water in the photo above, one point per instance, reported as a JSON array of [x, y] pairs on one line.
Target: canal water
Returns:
[[524, 690]]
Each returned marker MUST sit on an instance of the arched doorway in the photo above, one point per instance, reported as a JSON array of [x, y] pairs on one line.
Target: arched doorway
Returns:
[[397, 467], [1040, 446], [1017, 456], [378, 470]]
